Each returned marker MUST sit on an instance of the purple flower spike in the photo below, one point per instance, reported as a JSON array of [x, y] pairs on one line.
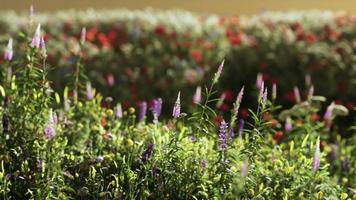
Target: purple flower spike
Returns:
[[241, 127], [197, 96], [36, 40], [288, 124], [89, 91], [239, 100], [264, 97], [260, 95], [297, 94], [83, 35], [118, 111], [223, 136], [156, 109], [218, 73], [329, 112], [147, 153], [176, 108], [143, 111], [259, 81], [316, 159], [50, 129], [9, 53]]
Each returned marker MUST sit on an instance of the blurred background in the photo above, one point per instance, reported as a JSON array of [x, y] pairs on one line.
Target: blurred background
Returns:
[[204, 6]]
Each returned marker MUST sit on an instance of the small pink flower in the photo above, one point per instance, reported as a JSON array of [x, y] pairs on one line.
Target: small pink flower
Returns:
[[176, 108], [36, 40], [197, 96], [9, 51]]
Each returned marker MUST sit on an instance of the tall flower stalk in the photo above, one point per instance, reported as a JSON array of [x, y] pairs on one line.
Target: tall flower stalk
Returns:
[[176, 108], [316, 158]]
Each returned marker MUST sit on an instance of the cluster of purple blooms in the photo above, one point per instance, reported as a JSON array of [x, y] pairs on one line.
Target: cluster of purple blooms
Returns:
[[50, 129], [156, 109]]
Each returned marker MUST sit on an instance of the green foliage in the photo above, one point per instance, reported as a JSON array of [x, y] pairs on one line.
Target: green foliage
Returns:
[[77, 147]]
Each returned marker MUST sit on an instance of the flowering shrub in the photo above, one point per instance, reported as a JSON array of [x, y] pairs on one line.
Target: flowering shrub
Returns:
[[79, 145], [135, 55]]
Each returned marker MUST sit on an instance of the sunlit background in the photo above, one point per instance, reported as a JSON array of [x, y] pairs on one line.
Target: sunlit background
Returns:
[[205, 6]]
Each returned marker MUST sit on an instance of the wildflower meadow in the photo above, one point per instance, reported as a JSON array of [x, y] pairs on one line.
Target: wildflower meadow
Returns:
[[172, 105]]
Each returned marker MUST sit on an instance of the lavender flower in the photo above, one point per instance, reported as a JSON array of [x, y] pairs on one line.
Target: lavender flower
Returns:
[[118, 111], [329, 112], [311, 92], [9, 53], [50, 129], [143, 111], [223, 139], [236, 107], [197, 96], [264, 97], [218, 73], [147, 153], [297, 94], [239, 100], [176, 108], [231, 134], [36, 40], [259, 81], [316, 159], [89, 91], [43, 47], [241, 127], [260, 94], [83, 35], [274, 91], [156, 109], [99, 159], [288, 124]]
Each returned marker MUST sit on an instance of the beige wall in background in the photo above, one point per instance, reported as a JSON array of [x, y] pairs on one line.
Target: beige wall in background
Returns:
[[205, 6]]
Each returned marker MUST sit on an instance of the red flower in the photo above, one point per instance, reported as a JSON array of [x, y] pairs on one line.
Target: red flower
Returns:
[[350, 105], [110, 80], [311, 38], [224, 107], [103, 39], [229, 95], [235, 40], [197, 55], [244, 113], [91, 33], [290, 96], [160, 30], [112, 35], [278, 136], [315, 117]]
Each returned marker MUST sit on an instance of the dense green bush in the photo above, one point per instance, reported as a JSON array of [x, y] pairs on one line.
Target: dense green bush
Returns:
[[149, 52], [79, 145]]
